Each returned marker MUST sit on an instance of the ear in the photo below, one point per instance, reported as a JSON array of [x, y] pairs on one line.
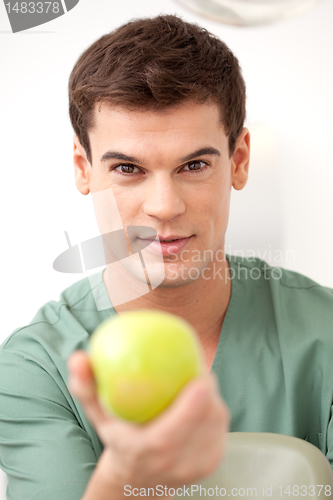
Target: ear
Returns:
[[81, 167], [240, 160]]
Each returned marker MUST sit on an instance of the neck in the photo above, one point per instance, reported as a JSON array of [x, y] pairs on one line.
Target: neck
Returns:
[[202, 302]]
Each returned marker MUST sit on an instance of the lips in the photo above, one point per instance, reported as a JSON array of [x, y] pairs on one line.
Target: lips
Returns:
[[171, 237], [168, 247]]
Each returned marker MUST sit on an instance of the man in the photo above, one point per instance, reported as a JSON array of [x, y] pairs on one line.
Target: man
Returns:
[[158, 109]]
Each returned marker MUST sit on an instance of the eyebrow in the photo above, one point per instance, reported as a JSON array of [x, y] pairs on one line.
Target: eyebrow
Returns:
[[201, 152], [111, 155]]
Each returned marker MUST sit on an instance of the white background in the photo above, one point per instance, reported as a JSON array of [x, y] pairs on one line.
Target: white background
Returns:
[[285, 210]]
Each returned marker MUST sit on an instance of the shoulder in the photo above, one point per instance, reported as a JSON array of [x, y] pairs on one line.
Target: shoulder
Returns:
[[58, 327], [281, 277], [293, 298], [33, 362]]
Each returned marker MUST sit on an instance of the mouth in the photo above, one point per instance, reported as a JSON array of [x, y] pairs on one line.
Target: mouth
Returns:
[[168, 246]]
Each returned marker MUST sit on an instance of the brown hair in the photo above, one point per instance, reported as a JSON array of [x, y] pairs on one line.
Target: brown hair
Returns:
[[157, 63]]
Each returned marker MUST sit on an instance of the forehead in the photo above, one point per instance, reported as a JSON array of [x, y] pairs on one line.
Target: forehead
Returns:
[[184, 124]]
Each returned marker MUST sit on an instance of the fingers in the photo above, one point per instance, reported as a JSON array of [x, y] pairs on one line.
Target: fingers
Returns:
[[79, 364], [205, 439], [198, 404], [197, 410], [190, 407], [82, 385]]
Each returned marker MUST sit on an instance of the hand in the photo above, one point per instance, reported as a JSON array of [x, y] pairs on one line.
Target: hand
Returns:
[[183, 444]]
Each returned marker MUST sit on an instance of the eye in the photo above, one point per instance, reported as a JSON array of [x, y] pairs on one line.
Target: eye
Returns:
[[128, 169], [196, 166]]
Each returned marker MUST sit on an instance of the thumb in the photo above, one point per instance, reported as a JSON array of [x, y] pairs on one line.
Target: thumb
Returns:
[[82, 385], [189, 408]]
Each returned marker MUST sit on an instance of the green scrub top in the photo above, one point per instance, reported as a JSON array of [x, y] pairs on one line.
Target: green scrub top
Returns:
[[274, 364]]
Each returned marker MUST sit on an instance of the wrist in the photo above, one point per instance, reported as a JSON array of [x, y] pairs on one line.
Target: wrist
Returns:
[[108, 481], [105, 482]]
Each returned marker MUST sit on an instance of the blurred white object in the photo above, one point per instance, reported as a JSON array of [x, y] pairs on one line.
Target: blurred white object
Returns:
[[249, 12], [3, 485]]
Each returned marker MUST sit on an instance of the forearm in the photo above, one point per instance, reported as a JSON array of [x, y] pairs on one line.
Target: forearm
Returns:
[[106, 484]]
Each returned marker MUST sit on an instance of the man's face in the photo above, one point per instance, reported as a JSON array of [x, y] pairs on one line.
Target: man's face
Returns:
[[177, 178]]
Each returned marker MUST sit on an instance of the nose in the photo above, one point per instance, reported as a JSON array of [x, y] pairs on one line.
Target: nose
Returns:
[[163, 200]]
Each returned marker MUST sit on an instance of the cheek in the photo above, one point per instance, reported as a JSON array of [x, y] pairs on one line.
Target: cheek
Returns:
[[220, 195], [222, 211], [213, 214], [128, 205], [212, 203], [98, 180]]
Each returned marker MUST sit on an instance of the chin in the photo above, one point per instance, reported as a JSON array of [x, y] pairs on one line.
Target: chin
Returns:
[[176, 276], [168, 283]]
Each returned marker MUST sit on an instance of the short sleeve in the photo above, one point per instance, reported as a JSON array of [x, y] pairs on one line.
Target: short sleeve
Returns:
[[44, 451]]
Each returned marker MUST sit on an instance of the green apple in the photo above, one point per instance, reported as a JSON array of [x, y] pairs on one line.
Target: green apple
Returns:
[[141, 359]]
